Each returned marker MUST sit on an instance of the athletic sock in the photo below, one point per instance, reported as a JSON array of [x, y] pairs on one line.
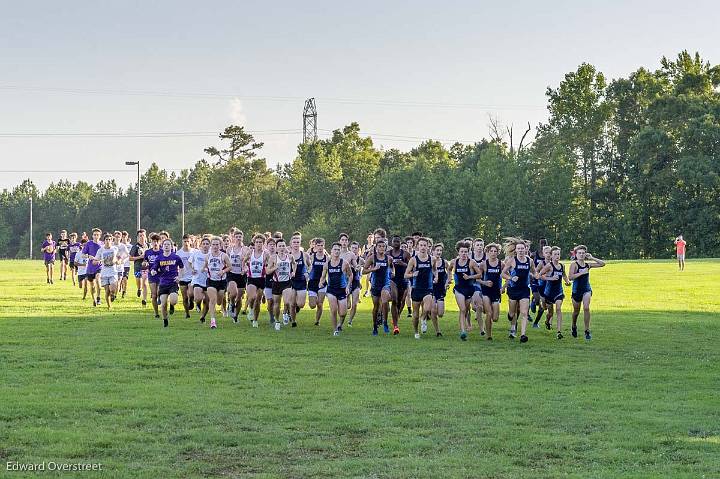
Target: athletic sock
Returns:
[[539, 315]]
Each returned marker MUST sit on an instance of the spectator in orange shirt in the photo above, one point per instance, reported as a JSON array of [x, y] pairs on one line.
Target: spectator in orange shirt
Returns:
[[680, 249]]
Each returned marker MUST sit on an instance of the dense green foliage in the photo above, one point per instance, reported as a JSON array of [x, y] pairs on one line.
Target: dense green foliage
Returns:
[[81, 384], [622, 165]]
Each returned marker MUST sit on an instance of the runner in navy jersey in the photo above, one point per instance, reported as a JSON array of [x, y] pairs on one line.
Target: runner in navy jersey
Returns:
[[316, 294], [554, 273], [300, 278], [380, 268], [581, 291], [439, 288], [477, 254], [517, 272], [464, 271], [410, 248], [398, 283], [491, 270], [542, 258], [355, 288], [336, 276], [421, 270]]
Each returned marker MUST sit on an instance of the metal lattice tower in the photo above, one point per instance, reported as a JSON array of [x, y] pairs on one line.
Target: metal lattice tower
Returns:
[[309, 121]]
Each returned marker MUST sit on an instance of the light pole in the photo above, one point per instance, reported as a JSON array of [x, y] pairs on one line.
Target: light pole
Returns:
[[31, 228], [132, 163], [182, 211]]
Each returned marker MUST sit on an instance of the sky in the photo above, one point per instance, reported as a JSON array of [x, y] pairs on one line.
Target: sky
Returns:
[[88, 85]]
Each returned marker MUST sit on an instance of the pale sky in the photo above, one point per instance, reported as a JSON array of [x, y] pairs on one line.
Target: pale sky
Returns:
[[409, 69]]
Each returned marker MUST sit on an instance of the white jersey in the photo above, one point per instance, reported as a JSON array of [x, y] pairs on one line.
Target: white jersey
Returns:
[[215, 266], [81, 263], [186, 275], [123, 253], [126, 264], [284, 267], [107, 257], [256, 266], [197, 259], [236, 256]]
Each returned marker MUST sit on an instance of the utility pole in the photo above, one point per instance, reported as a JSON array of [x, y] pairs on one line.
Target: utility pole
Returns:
[[309, 121], [31, 228], [182, 211], [132, 163]]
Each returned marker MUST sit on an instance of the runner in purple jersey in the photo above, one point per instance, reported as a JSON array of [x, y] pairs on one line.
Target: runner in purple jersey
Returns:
[[91, 275], [48, 251], [150, 256], [166, 269], [73, 249]]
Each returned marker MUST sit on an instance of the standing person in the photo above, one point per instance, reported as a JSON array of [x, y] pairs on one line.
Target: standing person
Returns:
[[151, 255], [439, 288], [491, 269], [237, 276], [107, 258], [517, 271], [73, 248], [355, 288], [316, 294], [282, 267], [554, 273], [137, 256], [255, 262], [336, 276], [167, 267], [464, 270], [581, 290], [185, 278], [197, 261], [63, 249], [300, 279], [81, 262], [423, 273], [380, 268], [217, 265], [680, 245], [91, 275], [48, 250], [398, 282]]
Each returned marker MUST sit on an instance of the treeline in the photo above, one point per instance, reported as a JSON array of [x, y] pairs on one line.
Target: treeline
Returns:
[[623, 166]]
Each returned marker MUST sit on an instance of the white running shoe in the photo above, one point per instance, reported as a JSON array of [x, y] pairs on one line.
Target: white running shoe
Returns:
[[213, 325], [254, 323], [417, 335], [286, 318], [251, 315], [277, 326], [423, 326], [336, 333]]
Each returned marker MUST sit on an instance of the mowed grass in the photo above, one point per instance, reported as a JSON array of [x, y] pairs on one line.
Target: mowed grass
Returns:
[[81, 384]]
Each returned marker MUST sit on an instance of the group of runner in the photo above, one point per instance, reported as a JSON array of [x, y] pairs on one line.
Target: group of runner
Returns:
[[398, 273]]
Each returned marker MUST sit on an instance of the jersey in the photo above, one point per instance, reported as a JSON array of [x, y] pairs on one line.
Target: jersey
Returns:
[[316, 266], [236, 260], [186, 275], [380, 278], [216, 265], [581, 284], [336, 279], [423, 280], [284, 268], [256, 265], [197, 259]]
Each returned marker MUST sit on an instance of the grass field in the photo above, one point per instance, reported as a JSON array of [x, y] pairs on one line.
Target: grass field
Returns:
[[642, 399]]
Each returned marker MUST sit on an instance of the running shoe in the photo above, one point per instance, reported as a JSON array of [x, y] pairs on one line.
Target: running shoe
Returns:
[[512, 334], [482, 333], [286, 318], [375, 332], [187, 315], [172, 309], [251, 315], [213, 324], [143, 302], [489, 338], [277, 325], [573, 331], [559, 335], [336, 333], [98, 300], [523, 339], [463, 336], [386, 328], [536, 326], [350, 323], [165, 322], [202, 320], [317, 323], [396, 331], [157, 316], [409, 313], [139, 292], [294, 324], [588, 336], [417, 335], [235, 319], [254, 324], [438, 334], [423, 326], [367, 293]]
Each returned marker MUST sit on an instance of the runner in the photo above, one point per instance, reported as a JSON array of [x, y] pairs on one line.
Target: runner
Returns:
[[316, 294], [151, 255], [439, 288], [543, 258], [517, 271], [123, 255], [91, 275], [491, 269], [255, 263], [217, 265], [464, 270], [166, 268], [107, 257], [410, 248], [337, 275], [581, 290], [237, 276], [197, 261], [554, 273], [81, 262], [424, 275], [398, 282], [380, 268], [270, 248], [300, 279], [355, 288], [63, 249], [185, 279], [478, 255], [48, 250], [73, 249], [282, 267], [350, 256]]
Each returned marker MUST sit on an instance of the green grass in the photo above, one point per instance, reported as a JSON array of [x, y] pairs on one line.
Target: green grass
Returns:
[[641, 399]]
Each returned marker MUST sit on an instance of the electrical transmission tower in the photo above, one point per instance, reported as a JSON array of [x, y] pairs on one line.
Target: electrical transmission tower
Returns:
[[309, 121]]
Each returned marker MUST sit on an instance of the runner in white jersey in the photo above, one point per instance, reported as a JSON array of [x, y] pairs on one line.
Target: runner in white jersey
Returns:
[[270, 254], [107, 257], [81, 265], [123, 255], [126, 265], [256, 263], [217, 265], [199, 277], [186, 276], [236, 278], [282, 267]]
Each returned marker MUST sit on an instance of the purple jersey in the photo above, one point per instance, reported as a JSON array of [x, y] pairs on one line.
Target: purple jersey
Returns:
[[166, 268], [91, 248], [48, 256], [150, 256]]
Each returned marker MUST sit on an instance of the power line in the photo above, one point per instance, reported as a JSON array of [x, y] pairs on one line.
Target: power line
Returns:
[[226, 96], [167, 134]]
